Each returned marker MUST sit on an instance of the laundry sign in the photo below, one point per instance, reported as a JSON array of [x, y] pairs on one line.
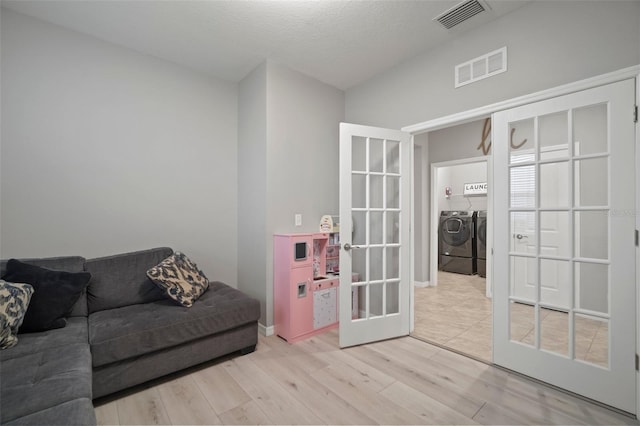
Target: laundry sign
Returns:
[[478, 188]]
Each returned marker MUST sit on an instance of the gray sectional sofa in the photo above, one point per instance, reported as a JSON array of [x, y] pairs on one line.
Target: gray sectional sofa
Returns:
[[122, 331]]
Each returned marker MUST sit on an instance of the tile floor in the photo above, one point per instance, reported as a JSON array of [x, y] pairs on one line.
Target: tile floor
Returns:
[[456, 314]]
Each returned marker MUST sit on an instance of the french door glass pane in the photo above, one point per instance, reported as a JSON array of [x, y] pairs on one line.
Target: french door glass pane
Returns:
[[523, 228], [359, 234], [521, 145], [554, 233], [553, 135], [592, 234], [376, 187], [523, 278], [375, 263], [554, 331], [393, 263], [376, 162], [358, 191], [522, 323], [358, 301], [375, 227], [523, 186], [359, 154], [393, 156], [359, 263], [554, 185], [393, 298], [393, 192], [375, 299], [393, 227], [555, 283], [595, 331], [590, 130], [591, 182], [592, 286]]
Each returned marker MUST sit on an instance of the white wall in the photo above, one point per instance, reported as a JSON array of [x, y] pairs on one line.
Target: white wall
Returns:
[[106, 150], [549, 43]]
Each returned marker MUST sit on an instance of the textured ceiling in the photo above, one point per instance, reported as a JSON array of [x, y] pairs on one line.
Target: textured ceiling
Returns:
[[342, 43]]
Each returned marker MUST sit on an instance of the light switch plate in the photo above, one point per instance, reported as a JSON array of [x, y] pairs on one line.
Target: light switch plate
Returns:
[[298, 219]]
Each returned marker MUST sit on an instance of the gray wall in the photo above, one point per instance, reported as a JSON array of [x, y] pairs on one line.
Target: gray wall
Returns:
[[294, 166], [303, 117], [105, 150], [455, 177], [252, 186], [455, 142], [549, 43]]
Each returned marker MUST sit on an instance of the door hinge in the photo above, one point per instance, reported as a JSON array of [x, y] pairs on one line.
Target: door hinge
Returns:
[[637, 363], [637, 238], [635, 113]]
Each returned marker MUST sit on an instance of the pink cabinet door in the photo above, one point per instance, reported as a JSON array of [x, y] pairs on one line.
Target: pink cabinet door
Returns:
[[301, 302]]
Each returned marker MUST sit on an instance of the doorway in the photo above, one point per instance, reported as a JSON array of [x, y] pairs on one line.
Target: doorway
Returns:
[[453, 310]]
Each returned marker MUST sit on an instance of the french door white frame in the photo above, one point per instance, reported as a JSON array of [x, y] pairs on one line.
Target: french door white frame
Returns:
[[478, 113]]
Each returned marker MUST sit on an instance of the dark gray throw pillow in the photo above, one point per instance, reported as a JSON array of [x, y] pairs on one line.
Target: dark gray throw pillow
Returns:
[[55, 293]]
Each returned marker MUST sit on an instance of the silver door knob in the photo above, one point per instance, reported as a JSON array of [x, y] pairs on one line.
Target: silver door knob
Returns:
[[347, 246], [520, 236]]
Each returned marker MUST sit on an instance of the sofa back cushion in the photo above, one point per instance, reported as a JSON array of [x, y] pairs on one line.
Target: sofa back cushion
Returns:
[[121, 280], [65, 263]]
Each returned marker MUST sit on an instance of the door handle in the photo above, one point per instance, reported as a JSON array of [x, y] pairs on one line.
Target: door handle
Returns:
[[520, 236], [348, 247]]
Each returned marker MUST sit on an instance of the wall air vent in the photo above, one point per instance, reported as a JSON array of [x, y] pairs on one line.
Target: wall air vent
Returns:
[[481, 67], [461, 13]]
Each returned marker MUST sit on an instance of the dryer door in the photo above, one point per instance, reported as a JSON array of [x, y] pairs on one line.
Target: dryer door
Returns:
[[456, 236]]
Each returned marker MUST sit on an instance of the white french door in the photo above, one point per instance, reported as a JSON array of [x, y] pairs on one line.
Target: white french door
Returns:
[[564, 252], [375, 274]]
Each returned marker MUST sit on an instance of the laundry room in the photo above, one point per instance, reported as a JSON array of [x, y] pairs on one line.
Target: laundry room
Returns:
[[452, 307], [462, 198]]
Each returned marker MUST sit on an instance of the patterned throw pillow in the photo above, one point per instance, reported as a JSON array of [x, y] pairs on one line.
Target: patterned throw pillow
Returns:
[[14, 301], [179, 278]]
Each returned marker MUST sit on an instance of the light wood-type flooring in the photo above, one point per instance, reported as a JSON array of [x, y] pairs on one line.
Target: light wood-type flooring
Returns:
[[456, 314], [399, 381]]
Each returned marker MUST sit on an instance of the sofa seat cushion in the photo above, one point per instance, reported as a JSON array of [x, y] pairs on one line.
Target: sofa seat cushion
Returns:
[[76, 331], [41, 380], [77, 412], [130, 331]]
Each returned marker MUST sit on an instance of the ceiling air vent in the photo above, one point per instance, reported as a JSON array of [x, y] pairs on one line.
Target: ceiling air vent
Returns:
[[460, 13], [481, 67]]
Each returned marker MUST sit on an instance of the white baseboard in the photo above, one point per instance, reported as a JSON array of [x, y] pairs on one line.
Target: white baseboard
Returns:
[[422, 283], [264, 330]]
